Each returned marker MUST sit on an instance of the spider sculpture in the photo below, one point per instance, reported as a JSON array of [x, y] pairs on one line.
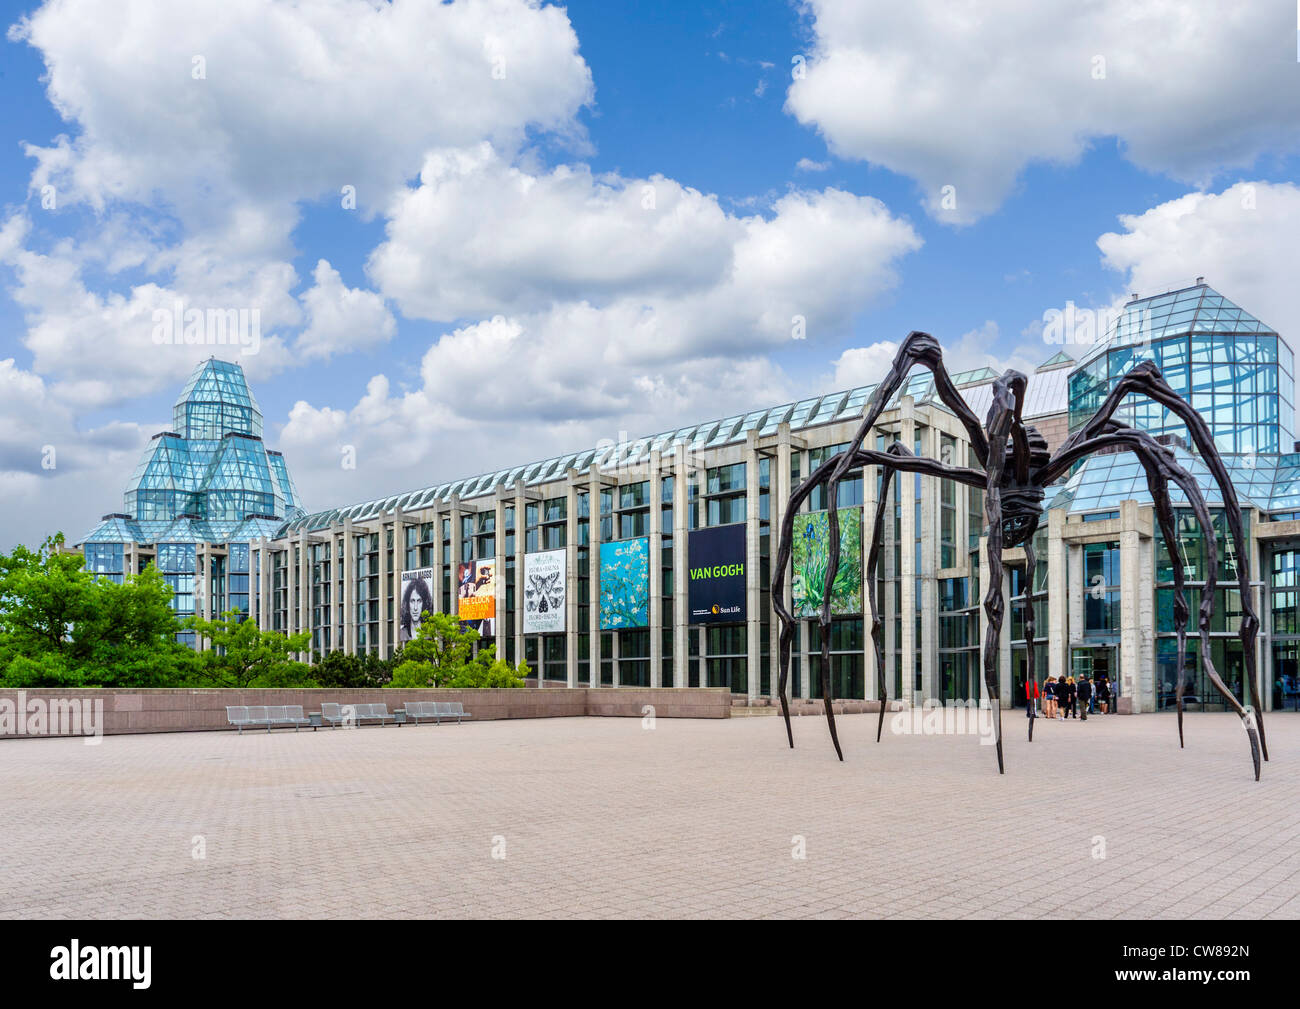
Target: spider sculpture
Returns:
[[1016, 469]]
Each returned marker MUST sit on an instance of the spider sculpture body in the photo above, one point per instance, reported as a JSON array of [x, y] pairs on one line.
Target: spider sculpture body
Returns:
[[1017, 468]]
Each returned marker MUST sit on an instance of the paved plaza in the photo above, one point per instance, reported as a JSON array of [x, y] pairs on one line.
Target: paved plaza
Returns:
[[603, 817]]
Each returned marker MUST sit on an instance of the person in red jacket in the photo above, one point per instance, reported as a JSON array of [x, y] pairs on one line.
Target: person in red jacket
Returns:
[[1031, 697]]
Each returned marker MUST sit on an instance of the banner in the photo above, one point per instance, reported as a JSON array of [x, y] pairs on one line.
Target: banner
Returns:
[[476, 594], [625, 584], [810, 559], [417, 599], [716, 592], [544, 591]]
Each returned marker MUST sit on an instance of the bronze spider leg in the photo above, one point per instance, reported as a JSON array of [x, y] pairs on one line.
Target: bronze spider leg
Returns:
[[1140, 442], [873, 559], [999, 423], [1145, 379], [1031, 562], [860, 459], [918, 348]]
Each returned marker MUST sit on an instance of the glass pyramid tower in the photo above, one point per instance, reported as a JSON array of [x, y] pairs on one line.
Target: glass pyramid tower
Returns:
[[211, 479], [1233, 369]]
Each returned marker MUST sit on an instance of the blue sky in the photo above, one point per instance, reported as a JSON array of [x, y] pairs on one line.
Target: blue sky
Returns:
[[896, 103]]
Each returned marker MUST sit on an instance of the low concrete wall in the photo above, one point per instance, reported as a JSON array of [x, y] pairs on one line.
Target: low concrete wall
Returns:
[[197, 710]]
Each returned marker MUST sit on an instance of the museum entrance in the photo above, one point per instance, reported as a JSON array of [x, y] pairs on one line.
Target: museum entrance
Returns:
[[1095, 661]]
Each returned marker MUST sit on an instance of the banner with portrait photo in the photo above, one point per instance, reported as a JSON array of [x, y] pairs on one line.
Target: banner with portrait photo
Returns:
[[544, 591], [416, 601], [476, 595], [625, 584], [811, 559]]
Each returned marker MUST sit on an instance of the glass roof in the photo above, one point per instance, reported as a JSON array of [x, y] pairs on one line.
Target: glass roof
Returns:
[[211, 479], [1270, 483]]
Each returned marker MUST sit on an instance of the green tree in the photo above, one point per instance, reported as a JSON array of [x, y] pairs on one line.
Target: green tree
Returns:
[[129, 639], [45, 595], [442, 655], [60, 625], [242, 655], [339, 669]]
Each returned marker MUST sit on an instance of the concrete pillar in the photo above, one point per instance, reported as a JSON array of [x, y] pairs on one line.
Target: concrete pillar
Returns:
[[1146, 611], [753, 566], [656, 570], [399, 565], [1058, 601], [457, 542], [929, 533], [593, 612], [869, 498], [521, 535], [571, 578], [499, 559], [384, 585], [780, 498], [349, 589], [304, 588], [681, 574], [908, 574], [265, 592], [1130, 592]]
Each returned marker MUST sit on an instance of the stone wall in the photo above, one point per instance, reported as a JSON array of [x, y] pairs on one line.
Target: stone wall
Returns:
[[196, 710]]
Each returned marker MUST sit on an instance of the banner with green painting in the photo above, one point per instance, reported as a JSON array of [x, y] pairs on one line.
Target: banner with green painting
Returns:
[[811, 560]]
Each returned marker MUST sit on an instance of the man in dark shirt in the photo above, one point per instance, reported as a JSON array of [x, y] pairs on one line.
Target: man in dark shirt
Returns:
[[1085, 695]]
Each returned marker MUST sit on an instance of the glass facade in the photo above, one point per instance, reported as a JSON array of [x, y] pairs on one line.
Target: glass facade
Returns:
[[211, 480]]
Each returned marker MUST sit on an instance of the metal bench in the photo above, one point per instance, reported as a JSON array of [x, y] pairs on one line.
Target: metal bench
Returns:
[[376, 712], [258, 715], [287, 714], [451, 709], [237, 715], [332, 715], [415, 710]]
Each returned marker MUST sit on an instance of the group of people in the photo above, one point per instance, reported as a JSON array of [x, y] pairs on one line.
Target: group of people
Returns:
[[1066, 697]]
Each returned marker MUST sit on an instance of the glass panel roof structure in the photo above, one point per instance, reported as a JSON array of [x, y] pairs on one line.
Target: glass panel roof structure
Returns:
[[1232, 368], [1047, 389], [211, 479]]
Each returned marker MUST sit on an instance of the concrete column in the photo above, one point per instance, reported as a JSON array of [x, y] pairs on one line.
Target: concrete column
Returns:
[[499, 603], [656, 571], [521, 510], [1130, 592], [304, 588], [985, 574], [399, 565], [384, 585], [1074, 592], [571, 578], [265, 593], [1058, 626], [908, 574], [929, 532], [869, 498], [453, 604], [593, 613], [753, 565], [780, 495], [349, 589], [1146, 609], [681, 574]]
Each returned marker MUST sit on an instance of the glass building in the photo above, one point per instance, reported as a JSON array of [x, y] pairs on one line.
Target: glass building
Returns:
[[219, 515], [200, 494]]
